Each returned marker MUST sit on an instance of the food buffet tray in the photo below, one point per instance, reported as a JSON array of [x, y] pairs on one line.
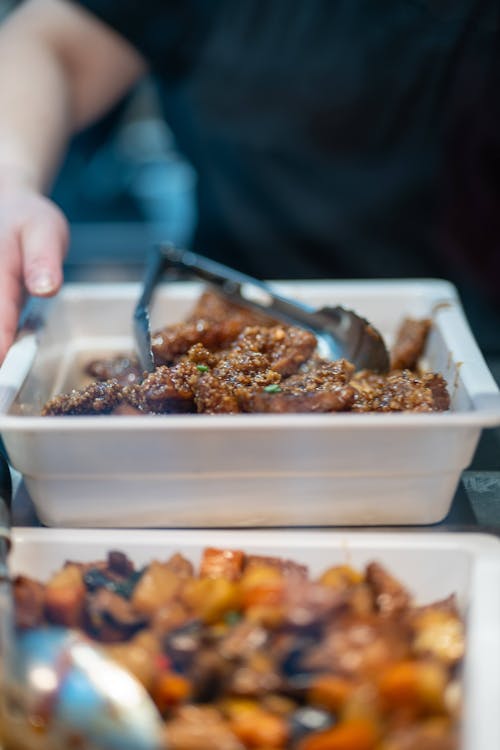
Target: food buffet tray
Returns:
[[240, 470], [468, 565]]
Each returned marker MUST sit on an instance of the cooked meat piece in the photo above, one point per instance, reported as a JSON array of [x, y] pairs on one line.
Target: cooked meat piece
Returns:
[[167, 390], [398, 391], [286, 347], [215, 307], [409, 344], [96, 398], [323, 388], [226, 359], [111, 617], [172, 342], [119, 563], [437, 385], [391, 598], [217, 391], [123, 368], [359, 647], [242, 640], [214, 322], [29, 600], [257, 359]]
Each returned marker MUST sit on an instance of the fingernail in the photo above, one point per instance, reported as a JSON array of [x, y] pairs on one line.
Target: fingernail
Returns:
[[42, 284]]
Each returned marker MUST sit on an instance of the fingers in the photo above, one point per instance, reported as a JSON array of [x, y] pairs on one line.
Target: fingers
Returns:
[[44, 245], [31, 259], [11, 291]]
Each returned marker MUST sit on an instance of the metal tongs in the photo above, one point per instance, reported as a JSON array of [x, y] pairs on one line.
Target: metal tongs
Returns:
[[341, 333]]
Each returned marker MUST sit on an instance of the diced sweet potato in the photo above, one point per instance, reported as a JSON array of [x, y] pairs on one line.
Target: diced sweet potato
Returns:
[[221, 563], [351, 735], [416, 685]]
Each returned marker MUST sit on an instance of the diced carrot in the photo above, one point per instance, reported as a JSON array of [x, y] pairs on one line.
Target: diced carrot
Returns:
[[351, 735], [264, 594], [260, 728], [420, 685], [170, 689], [329, 691], [221, 563]]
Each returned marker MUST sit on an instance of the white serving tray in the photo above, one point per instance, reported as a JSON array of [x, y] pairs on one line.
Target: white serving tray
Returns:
[[240, 470], [431, 565]]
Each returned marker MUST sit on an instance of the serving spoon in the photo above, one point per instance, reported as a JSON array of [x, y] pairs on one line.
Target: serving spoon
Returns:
[[341, 333], [58, 689]]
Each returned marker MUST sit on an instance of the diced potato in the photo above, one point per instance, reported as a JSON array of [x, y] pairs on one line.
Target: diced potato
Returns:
[[440, 633], [65, 596], [211, 598], [262, 586], [158, 585], [138, 656], [340, 577]]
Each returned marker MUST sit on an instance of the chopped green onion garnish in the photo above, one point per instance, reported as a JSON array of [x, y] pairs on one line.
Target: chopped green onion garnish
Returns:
[[272, 388], [202, 368]]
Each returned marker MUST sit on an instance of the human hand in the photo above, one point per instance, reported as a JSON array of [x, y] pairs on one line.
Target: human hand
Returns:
[[33, 242]]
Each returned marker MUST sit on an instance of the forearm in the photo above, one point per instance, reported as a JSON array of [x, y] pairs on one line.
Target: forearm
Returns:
[[35, 111], [60, 69]]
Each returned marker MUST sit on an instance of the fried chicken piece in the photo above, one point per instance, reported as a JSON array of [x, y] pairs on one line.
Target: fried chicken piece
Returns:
[[214, 322], [167, 390], [171, 390], [410, 342], [220, 391], [215, 307], [96, 398], [322, 388], [400, 391], [259, 358]]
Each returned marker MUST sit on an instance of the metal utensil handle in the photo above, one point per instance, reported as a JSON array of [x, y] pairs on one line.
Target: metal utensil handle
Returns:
[[5, 502], [154, 268], [245, 289]]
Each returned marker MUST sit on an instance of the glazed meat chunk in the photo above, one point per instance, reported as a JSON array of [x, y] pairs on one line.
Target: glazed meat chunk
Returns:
[[171, 390], [123, 368], [258, 359], [400, 391], [96, 398], [226, 359], [322, 388], [214, 322], [409, 344]]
